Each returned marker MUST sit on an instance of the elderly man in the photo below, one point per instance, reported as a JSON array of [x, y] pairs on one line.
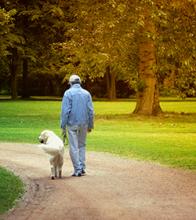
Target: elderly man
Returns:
[[77, 116]]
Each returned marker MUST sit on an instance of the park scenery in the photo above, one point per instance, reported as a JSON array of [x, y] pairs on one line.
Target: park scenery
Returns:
[[137, 58]]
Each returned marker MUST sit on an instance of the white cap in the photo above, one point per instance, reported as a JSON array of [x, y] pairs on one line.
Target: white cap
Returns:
[[74, 79]]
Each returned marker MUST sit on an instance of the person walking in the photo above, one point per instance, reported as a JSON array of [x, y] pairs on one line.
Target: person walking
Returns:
[[77, 117]]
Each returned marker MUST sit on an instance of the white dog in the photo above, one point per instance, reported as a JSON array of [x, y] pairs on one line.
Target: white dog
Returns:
[[53, 146]]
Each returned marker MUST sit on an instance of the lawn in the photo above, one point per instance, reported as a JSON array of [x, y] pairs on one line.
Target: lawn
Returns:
[[9, 192], [170, 139]]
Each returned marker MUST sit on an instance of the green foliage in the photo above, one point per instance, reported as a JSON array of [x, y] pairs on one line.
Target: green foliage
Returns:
[[11, 189], [36, 25], [87, 37], [100, 38], [109, 32], [186, 84], [176, 45], [7, 37]]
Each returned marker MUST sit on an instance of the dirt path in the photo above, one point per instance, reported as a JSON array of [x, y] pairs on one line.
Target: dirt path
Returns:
[[114, 188]]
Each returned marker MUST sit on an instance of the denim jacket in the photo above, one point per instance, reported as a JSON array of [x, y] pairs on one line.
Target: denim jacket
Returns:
[[77, 108]]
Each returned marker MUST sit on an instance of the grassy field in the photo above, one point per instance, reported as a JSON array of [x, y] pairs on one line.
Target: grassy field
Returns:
[[170, 139], [9, 192]]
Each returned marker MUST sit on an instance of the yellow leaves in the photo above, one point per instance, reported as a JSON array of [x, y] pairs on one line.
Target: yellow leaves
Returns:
[[57, 11], [12, 12], [140, 21], [111, 24], [83, 13], [177, 4], [6, 17], [35, 17], [112, 3], [121, 8]]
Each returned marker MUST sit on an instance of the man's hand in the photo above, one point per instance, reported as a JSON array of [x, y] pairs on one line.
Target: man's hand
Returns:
[[64, 134]]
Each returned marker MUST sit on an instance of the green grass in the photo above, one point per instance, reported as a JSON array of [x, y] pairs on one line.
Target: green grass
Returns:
[[11, 189], [169, 140]]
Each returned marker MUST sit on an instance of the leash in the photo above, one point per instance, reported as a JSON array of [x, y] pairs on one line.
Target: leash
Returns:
[[65, 139]]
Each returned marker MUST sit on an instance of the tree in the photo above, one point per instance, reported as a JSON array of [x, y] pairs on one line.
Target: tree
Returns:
[[40, 23], [148, 23], [7, 39], [99, 44], [135, 40], [8, 42], [147, 96], [177, 46]]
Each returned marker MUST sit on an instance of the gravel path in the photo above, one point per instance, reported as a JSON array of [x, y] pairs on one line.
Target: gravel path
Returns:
[[113, 189]]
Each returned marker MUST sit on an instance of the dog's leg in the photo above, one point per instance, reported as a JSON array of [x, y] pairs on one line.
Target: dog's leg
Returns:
[[60, 165], [52, 168], [55, 171], [52, 173], [60, 173]]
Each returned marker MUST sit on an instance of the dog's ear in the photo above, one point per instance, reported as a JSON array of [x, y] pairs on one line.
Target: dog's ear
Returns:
[[45, 136]]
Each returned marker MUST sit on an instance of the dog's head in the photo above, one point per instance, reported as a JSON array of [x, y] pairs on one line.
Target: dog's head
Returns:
[[44, 136]]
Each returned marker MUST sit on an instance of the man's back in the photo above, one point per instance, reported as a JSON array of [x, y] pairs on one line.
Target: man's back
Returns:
[[77, 107]]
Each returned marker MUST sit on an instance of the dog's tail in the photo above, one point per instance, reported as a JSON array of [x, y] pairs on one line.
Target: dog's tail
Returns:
[[51, 150]]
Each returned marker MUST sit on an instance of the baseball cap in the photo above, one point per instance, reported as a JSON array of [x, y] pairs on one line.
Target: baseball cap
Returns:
[[74, 79]]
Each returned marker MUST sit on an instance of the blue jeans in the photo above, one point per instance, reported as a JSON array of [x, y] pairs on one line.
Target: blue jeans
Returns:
[[77, 146]]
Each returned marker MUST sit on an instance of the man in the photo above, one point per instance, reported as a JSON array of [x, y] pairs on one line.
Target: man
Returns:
[[77, 116]]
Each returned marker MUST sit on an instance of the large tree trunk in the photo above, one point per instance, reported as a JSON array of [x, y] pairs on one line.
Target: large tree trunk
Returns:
[[111, 84], [148, 91], [25, 90], [13, 70]]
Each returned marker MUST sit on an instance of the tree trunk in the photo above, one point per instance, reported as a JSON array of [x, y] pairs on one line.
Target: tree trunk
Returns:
[[13, 70], [148, 91], [111, 84], [25, 90]]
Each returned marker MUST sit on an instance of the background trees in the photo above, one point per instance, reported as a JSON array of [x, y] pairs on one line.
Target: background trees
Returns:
[[140, 43], [99, 43], [39, 24], [134, 40], [8, 39], [177, 50]]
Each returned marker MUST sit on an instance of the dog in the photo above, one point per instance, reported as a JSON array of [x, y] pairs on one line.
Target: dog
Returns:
[[53, 146]]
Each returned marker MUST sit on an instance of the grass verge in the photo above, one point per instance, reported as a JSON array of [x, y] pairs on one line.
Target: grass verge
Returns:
[[11, 189]]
